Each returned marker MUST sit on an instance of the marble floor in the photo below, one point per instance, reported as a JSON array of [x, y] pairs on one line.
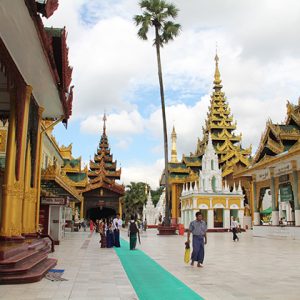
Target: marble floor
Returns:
[[253, 268]]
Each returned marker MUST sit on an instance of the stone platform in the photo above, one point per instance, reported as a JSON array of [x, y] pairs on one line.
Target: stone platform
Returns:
[[280, 232]]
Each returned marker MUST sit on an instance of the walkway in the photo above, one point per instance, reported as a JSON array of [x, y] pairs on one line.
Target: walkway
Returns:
[[252, 269], [149, 279], [92, 273]]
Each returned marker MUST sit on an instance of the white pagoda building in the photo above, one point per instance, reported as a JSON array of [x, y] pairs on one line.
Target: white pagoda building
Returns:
[[149, 211], [209, 195]]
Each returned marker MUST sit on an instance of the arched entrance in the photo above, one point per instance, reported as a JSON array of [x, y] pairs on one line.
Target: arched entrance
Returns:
[[97, 213]]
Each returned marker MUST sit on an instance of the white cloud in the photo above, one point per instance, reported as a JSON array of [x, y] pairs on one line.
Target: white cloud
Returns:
[[259, 65], [149, 173], [120, 124]]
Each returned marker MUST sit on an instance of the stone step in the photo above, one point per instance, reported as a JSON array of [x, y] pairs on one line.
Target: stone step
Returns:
[[26, 264], [18, 258], [33, 275]]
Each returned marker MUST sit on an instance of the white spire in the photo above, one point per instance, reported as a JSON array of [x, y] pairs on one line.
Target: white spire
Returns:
[[239, 190], [234, 188]]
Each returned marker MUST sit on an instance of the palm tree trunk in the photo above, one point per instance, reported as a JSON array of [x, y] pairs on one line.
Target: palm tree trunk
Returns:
[[165, 132]]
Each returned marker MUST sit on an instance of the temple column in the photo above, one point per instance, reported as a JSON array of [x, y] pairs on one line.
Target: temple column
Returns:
[[13, 188], [241, 217], [10, 193], [256, 214], [32, 180], [82, 208], [210, 218], [174, 204], [226, 221], [296, 193], [39, 167], [275, 212], [120, 208]]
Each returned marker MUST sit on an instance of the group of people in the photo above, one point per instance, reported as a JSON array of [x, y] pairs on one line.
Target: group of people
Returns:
[[109, 231]]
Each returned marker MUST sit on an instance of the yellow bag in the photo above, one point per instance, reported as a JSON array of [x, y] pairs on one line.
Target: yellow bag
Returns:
[[187, 255]]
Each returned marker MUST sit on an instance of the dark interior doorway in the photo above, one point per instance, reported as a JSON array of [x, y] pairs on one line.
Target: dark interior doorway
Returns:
[[97, 213]]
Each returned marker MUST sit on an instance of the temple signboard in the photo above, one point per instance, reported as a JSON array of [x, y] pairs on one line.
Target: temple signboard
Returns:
[[283, 169], [53, 200], [286, 193], [263, 175]]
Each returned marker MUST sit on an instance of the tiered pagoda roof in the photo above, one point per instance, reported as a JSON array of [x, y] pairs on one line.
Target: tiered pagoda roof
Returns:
[[279, 138], [220, 124], [103, 170], [227, 144], [72, 168]]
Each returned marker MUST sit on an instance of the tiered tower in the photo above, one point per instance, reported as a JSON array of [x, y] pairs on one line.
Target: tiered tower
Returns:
[[220, 124], [103, 165], [103, 194]]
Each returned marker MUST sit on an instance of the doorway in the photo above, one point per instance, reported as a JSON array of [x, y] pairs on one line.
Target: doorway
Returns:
[[218, 217]]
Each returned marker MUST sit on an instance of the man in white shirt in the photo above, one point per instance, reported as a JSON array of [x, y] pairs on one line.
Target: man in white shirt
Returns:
[[234, 228], [117, 224]]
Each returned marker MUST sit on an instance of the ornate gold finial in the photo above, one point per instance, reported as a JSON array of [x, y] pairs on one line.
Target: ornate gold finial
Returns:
[[104, 124], [217, 81]]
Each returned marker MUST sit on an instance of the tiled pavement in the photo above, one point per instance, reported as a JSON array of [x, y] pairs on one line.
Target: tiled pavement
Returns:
[[92, 273], [254, 268]]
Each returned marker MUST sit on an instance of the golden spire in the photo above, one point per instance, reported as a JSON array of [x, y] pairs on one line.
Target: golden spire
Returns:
[[217, 81], [104, 124], [174, 148]]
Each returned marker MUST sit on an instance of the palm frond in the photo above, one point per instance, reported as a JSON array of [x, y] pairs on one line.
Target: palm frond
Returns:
[[172, 10], [169, 31]]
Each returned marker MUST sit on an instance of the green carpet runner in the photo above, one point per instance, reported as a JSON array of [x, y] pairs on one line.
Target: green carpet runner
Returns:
[[149, 279]]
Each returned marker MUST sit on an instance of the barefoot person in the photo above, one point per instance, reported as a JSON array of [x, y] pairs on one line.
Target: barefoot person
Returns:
[[198, 228], [117, 225], [133, 233]]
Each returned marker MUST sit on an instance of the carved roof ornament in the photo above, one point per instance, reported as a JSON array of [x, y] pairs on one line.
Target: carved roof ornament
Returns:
[[47, 7]]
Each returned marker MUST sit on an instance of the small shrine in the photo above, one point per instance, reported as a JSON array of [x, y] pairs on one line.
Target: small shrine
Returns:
[[217, 202], [160, 208], [149, 211]]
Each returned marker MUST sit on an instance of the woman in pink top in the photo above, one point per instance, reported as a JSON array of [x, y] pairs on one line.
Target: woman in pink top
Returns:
[[91, 226]]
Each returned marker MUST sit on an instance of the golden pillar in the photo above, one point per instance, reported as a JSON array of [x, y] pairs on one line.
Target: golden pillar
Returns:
[[13, 190], [38, 169], [31, 195], [81, 208], [120, 207], [174, 201]]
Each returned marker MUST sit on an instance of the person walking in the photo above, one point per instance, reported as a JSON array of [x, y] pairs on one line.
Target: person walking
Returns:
[[102, 234], [133, 233], [198, 229], [234, 229], [91, 226], [117, 224], [109, 235]]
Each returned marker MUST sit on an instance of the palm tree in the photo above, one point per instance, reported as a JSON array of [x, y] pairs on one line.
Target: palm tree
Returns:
[[158, 14], [135, 198]]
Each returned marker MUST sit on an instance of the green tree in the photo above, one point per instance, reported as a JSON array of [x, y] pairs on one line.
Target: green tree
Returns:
[[135, 198], [155, 194], [159, 14]]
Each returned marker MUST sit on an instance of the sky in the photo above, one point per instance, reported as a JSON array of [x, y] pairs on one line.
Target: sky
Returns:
[[115, 72]]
